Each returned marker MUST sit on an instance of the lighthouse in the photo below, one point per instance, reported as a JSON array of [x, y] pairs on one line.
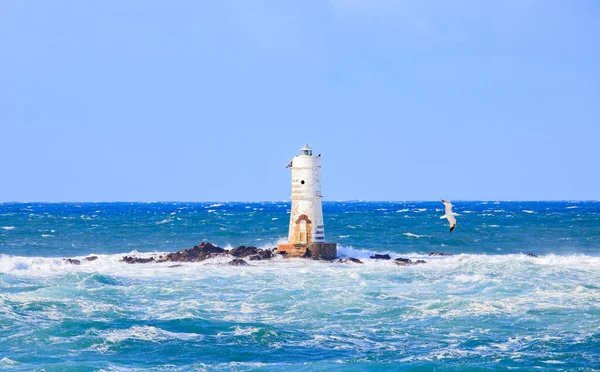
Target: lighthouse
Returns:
[[306, 237]]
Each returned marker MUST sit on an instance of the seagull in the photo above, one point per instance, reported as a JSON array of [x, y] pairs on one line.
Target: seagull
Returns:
[[449, 214]]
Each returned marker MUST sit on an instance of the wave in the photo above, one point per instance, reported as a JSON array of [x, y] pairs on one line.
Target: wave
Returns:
[[8, 227], [411, 235], [111, 264]]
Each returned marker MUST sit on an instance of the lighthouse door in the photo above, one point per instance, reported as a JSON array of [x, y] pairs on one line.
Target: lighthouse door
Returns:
[[303, 232]]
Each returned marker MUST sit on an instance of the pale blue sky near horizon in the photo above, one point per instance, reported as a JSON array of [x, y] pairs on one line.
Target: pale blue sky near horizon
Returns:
[[209, 100]]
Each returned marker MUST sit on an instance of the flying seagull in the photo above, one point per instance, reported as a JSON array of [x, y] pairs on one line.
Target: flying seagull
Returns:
[[449, 214]]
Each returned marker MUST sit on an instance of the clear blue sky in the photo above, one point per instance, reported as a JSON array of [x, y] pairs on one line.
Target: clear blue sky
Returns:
[[208, 100]]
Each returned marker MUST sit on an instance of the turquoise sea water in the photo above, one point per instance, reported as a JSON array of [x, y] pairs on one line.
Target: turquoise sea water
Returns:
[[487, 307]]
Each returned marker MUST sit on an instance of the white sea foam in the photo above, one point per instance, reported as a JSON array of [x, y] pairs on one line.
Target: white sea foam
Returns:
[[402, 210], [8, 227], [528, 211], [8, 362], [411, 235]]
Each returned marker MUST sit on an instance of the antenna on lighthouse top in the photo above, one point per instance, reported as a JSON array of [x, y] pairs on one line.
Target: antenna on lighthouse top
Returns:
[[306, 150]]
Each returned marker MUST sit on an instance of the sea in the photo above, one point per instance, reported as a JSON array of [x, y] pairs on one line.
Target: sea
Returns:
[[488, 306]]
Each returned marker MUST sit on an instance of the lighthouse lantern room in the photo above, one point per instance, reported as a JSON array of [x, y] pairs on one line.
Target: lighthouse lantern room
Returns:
[[306, 236]]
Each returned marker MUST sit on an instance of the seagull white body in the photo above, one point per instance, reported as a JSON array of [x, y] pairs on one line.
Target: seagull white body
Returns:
[[449, 215]]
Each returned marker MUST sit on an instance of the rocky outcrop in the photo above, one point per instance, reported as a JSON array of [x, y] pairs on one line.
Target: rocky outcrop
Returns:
[[407, 262], [91, 258], [532, 255], [198, 253], [350, 260], [262, 254], [72, 261], [243, 251], [137, 260], [433, 254], [237, 262], [380, 257]]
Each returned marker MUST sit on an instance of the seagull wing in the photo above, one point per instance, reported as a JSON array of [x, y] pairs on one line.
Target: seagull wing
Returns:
[[452, 221], [449, 215]]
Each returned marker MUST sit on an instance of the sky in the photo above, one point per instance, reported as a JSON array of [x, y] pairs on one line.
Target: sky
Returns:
[[209, 100]]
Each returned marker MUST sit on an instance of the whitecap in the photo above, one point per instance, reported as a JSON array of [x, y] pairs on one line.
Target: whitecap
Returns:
[[7, 361], [8, 227], [411, 235], [402, 210], [147, 333], [528, 211]]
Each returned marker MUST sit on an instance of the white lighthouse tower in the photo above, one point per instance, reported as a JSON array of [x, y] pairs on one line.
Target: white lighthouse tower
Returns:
[[306, 237]]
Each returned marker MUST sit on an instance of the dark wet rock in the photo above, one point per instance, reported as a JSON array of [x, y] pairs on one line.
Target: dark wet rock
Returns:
[[91, 258], [380, 257], [349, 260], [262, 254], [407, 262], [532, 255], [440, 254], [178, 265], [283, 253], [265, 253], [198, 253], [243, 251], [137, 260], [237, 262], [72, 261], [308, 254]]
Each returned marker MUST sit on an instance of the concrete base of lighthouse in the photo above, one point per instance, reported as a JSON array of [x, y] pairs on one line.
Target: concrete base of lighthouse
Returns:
[[318, 251]]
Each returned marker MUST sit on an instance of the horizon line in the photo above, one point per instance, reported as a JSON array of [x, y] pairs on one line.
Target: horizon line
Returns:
[[287, 201]]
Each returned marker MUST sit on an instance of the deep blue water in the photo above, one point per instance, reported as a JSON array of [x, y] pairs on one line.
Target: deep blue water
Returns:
[[487, 307]]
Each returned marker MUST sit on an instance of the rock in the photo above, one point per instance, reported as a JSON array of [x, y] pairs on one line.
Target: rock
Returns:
[[532, 255], [349, 260], [380, 257], [263, 254], [72, 261], [178, 265], [407, 262], [440, 254], [243, 251], [136, 260], [237, 262], [91, 258], [198, 253]]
